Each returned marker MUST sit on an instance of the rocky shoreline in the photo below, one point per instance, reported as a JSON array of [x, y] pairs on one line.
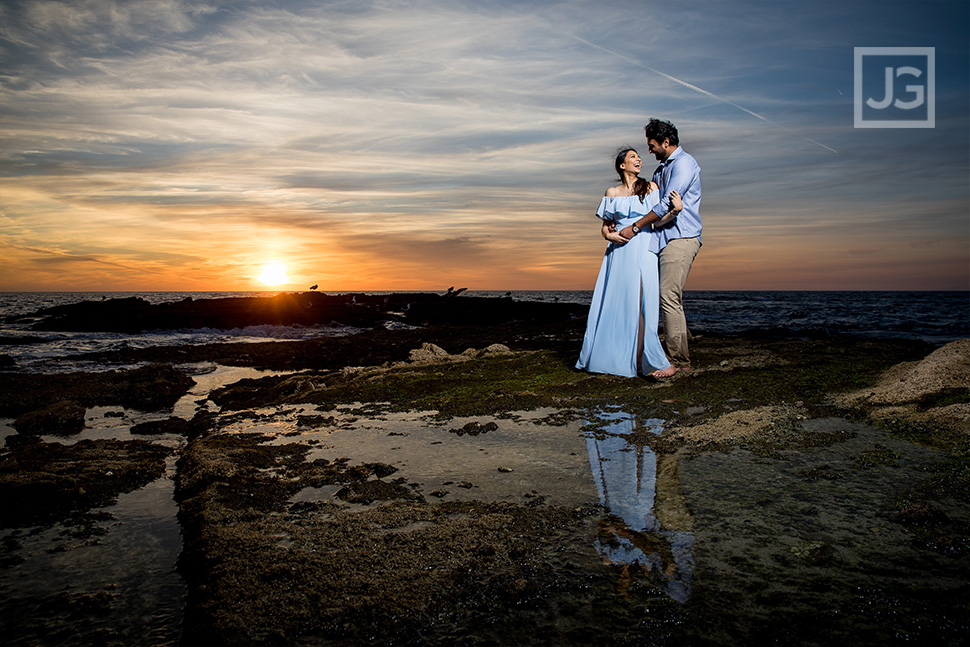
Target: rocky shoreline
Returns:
[[134, 314], [431, 485]]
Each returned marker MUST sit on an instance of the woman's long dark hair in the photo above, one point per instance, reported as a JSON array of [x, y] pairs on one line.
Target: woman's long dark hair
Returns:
[[640, 186]]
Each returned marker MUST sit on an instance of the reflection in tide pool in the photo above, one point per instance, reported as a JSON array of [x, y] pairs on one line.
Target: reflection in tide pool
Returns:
[[650, 525]]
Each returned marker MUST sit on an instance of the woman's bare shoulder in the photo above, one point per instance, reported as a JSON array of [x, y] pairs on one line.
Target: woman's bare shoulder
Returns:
[[614, 191]]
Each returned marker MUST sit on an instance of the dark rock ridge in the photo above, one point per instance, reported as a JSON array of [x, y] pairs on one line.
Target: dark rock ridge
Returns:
[[134, 314], [63, 416], [148, 388]]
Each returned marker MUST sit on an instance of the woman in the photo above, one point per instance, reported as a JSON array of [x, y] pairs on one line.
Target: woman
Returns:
[[621, 332]]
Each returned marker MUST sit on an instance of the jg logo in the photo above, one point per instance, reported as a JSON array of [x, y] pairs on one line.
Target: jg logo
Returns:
[[895, 87]]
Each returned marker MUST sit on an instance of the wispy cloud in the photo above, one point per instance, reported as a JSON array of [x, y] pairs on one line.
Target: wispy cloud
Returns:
[[198, 138]]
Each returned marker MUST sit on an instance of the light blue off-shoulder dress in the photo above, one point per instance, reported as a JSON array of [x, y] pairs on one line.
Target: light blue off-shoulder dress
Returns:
[[627, 286]]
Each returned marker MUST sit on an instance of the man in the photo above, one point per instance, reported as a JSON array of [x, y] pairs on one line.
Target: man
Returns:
[[681, 238]]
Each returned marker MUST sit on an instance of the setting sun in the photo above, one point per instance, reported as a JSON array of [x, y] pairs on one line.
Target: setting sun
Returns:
[[273, 273]]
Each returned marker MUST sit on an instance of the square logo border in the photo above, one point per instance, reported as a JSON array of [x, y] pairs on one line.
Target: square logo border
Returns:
[[929, 53]]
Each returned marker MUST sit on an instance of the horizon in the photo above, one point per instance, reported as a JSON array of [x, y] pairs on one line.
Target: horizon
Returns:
[[182, 146], [416, 290]]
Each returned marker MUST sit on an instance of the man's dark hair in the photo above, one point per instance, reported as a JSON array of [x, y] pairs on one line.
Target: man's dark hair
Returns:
[[659, 130]]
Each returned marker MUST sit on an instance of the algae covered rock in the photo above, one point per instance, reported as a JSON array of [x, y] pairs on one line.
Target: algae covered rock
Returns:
[[43, 482], [147, 388], [61, 417]]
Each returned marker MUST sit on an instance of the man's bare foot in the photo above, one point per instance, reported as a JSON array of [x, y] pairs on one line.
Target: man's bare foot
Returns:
[[667, 372]]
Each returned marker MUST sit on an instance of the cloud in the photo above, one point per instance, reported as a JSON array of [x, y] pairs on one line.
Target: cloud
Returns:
[[55, 256], [179, 131]]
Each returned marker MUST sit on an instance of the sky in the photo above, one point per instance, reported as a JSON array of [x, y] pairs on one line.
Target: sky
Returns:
[[397, 145]]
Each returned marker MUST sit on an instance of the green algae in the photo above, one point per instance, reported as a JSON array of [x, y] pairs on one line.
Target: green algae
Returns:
[[879, 455], [805, 371]]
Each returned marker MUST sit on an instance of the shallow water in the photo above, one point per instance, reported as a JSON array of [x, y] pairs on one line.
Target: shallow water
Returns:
[[108, 576], [806, 546], [108, 579]]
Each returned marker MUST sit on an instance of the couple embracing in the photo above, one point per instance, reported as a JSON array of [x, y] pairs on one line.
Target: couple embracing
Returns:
[[654, 232]]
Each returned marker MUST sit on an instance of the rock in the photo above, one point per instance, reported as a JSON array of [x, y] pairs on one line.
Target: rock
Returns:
[[315, 421], [173, 425], [64, 416], [367, 492], [428, 353], [148, 388], [474, 429], [496, 350], [815, 552], [931, 391], [153, 387], [134, 314], [743, 424], [922, 514], [946, 368], [41, 482]]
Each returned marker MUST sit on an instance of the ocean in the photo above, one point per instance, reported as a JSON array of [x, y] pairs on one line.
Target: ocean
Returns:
[[934, 317]]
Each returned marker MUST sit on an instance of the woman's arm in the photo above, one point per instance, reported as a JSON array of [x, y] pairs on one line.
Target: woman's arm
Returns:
[[611, 234]]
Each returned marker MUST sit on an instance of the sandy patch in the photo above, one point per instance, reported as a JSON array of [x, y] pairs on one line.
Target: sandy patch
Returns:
[[741, 425], [945, 368], [904, 390]]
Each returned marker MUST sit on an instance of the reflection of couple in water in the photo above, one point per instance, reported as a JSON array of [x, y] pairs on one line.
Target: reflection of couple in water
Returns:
[[649, 527], [654, 233]]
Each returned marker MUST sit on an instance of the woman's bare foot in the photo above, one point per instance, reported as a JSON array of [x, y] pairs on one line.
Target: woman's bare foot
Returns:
[[667, 372]]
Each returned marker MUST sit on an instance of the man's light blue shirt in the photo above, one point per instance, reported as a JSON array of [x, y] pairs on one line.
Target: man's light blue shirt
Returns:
[[679, 172]]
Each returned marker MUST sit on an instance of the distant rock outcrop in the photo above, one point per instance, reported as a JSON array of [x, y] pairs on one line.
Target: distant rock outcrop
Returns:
[[134, 314]]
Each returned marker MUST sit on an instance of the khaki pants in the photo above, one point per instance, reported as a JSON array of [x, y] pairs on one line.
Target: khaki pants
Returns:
[[675, 262]]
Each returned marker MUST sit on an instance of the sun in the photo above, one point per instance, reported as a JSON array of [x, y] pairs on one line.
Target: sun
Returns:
[[273, 273]]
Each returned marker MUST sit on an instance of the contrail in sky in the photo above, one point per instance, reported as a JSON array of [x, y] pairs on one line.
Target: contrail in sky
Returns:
[[693, 87]]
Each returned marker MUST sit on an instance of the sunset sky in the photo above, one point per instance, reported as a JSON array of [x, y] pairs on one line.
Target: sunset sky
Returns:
[[359, 145]]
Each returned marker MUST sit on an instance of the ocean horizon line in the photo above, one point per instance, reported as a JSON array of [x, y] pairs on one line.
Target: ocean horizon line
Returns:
[[435, 290]]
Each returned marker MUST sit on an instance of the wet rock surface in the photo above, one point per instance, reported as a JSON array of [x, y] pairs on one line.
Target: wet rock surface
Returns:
[[43, 482], [148, 388], [393, 568], [61, 417], [779, 492], [134, 314]]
